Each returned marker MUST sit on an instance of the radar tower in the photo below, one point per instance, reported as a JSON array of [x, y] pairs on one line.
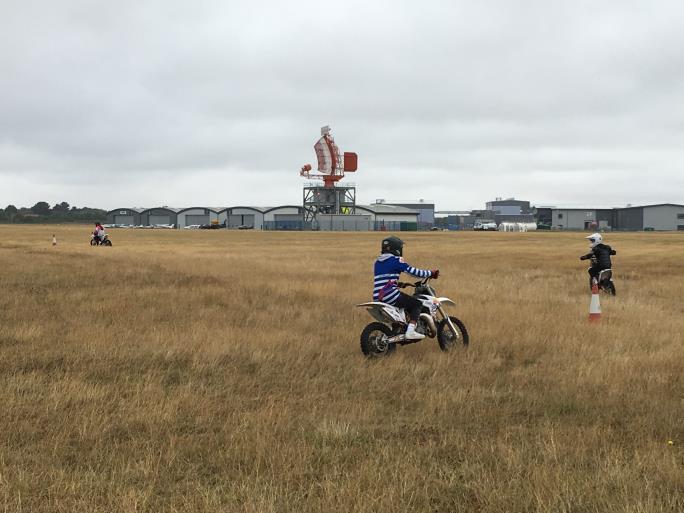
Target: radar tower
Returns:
[[329, 198]]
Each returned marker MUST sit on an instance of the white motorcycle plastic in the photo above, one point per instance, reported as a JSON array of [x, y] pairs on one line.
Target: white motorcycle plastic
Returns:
[[381, 338]]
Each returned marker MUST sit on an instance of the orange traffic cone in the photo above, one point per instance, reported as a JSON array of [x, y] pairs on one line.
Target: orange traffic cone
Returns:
[[54, 240], [595, 305]]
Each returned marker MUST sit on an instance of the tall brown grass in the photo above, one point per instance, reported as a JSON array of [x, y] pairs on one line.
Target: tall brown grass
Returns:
[[220, 371]]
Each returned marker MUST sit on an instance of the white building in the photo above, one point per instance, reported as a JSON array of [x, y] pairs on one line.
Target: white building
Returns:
[[197, 216]]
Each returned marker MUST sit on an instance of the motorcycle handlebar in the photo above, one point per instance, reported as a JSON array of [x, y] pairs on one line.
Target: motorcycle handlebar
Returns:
[[403, 284]]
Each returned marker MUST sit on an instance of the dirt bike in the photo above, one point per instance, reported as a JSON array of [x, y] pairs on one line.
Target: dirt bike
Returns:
[[604, 279], [380, 338], [104, 241]]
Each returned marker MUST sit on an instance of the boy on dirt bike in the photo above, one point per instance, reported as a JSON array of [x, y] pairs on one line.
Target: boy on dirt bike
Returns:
[[600, 256], [387, 269], [99, 233]]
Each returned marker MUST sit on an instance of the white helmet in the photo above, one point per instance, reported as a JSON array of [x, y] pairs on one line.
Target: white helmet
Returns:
[[595, 239]]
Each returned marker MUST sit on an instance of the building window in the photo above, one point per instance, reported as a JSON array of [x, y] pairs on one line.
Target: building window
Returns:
[[680, 216], [680, 227], [560, 215]]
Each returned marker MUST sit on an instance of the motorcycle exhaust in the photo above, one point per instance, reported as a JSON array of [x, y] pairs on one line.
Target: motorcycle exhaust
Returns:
[[430, 323]]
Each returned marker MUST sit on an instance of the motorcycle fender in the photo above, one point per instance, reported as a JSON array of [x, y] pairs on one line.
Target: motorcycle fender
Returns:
[[446, 301], [391, 313]]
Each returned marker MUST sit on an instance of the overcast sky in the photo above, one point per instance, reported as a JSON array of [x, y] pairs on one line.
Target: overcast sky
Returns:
[[217, 103]]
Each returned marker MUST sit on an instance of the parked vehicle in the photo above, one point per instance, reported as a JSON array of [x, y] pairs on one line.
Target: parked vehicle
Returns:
[[380, 338], [485, 226]]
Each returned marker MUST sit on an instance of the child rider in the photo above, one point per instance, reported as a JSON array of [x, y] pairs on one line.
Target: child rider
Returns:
[[387, 269]]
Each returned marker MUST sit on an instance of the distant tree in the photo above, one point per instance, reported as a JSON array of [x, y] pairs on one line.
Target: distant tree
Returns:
[[61, 207], [2, 214], [74, 208], [42, 208], [10, 212]]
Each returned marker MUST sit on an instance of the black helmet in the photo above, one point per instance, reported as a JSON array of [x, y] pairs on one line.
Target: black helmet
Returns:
[[392, 245]]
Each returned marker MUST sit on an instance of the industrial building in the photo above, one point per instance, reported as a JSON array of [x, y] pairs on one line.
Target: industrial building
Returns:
[[543, 215], [664, 216], [160, 216], [235, 217], [426, 210], [510, 210], [373, 217], [194, 216], [124, 216], [582, 218], [660, 217]]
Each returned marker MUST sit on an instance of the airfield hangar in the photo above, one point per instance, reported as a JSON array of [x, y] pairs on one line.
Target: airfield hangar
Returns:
[[374, 217]]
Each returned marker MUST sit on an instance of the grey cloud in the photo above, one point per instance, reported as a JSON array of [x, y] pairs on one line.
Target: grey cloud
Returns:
[[431, 95]]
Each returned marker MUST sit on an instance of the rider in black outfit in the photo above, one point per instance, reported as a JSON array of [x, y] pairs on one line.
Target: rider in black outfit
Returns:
[[600, 256]]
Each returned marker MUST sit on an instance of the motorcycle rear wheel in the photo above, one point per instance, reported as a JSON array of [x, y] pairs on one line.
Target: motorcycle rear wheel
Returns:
[[448, 340], [371, 341], [107, 242], [93, 242]]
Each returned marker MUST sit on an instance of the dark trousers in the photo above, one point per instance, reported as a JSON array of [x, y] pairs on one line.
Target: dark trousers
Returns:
[[410, 304], [594, 273]]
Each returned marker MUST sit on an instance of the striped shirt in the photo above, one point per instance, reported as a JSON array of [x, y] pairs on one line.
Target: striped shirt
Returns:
[[387, 269]]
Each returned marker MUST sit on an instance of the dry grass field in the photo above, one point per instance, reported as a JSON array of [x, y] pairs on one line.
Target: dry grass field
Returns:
[[216, 371]]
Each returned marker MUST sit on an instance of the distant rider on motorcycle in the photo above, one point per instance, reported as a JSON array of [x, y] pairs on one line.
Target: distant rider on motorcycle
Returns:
[[600, 256], [387, 269], [99, 233]]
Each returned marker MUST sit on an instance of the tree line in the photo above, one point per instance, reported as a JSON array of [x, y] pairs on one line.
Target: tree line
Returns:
[[41, 212]]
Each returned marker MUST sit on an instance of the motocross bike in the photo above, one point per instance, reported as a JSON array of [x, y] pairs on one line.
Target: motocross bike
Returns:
[[104, 241], [380, 338], [604, 279]]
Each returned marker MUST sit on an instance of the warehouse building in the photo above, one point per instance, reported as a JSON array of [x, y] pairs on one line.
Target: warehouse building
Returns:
[[582, 218], [543, 215], [236, 217], [124, 216], [389, 217], [288, 217], [194, 216], [664, 216], [160, 216], [425, 210], [510, 210], [660, 217], [509, 206]]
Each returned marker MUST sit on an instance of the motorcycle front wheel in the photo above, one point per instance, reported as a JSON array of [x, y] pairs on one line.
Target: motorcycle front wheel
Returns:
[[447, 339], [373, 343], [107, 242]]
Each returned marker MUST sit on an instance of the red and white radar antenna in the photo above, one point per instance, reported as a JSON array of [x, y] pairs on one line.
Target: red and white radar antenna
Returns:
[[331, 164]]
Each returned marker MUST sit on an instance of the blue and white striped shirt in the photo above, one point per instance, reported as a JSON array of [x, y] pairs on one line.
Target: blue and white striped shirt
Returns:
[[387, 269]]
